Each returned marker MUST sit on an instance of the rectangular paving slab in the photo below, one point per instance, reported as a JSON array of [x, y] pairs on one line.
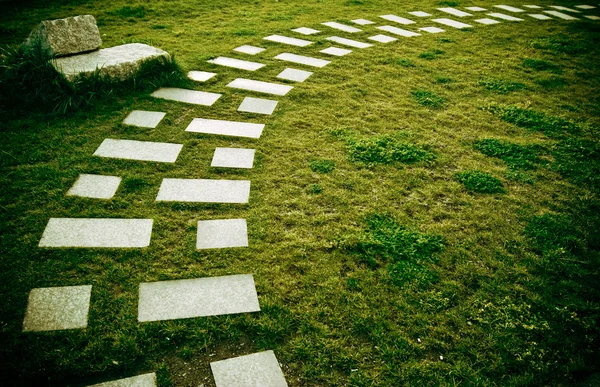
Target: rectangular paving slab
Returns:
[[306, 31], [188, 96], [204, 191], [250, 50], [592, 17], [200, 76], [349, 42], [476, 9], [341, 27], [288, 40], [398, 31], [144, 119], [259, 369], [561, 8], [257, 105], [382, 38], [199, 297], [95, 186], [487, 21], [97, 232], [532, 6], [585, 6], [504, 16], [362, 22], [452, 23], [397, 19], [560, 15], [225, 128], [236, 63], [301, 59], [145, 380], [139, 150], [50, 309], [509, 8], [454, 11], [336, 51], [432, 30], [233, 158], [294, 75], [539, 16], [420, 14], [222, 233], [260, 86]]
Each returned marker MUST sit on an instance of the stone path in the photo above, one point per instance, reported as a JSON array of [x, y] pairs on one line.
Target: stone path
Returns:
[[204, 191], [222, 233], [225, 128], [144, 119], [236, 63], [349, 42], [341, 27], [256, 370], [95, 186], [291, 41], [145, 380], [139, 150], [51, 309], [188, 96], [260, 86], [250, 50], [294, 75], [233, 158], [398, 31], [301, 59], [335, 51], [257, 105], [200, 76]]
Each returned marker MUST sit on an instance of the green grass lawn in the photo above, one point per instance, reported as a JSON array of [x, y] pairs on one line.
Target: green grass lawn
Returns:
[[422, 213]]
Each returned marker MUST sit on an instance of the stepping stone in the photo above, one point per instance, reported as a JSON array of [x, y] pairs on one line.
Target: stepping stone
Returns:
[[200, 297], [397, 19], [591, 17], [250, 50], [258, 369], [561, 8], [97, 232], [398, 31], [145, 380], [257, 105], [341, 27], [233, 158], [204, 191], [144, 119], [222, 233], [335, 51], [476, 9], [539, 16], [287, 40], [487, 21], [306, 31], [225, 128], [187, 96], [301, 59], [509, 8], [532, 6], [452, 23], [349, 42], [560, 15], [139, 150], [420, 14], [294, 75], [200, 76], [236, 63], [432, 30], [51, 309], [382, 38], [455, 12], [260, 87], [95, 186], [585, 6], [362, 22], [504, 17]]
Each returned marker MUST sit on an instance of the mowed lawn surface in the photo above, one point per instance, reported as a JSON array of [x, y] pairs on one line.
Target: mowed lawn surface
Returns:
[[422, 213]]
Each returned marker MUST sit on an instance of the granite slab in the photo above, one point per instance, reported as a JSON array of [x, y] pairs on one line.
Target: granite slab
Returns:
[[349, 42], [476, 9], [257, 105], [341, 27], [188, 96], [585, 6], [250, 50], [560, 15], [260, 86], [139, 150], [233, 158], [432, 30], [257, 370], [204, 191], [397, 19], [539, 16], [145, 380], [561, 8], [95, 186], [301, 59], [504, 16], [532, 6], [398, 31], [454, 11], [50, 309], [509, 8], [237, 63], [294, 75], [225, 128], [336, 51], [200, 76], [144, 119], [487, 21], [592, 17], [222, 233], [287, 40], [382, 38], [362, 22], [306, 31], [419, 14], [452, 23]]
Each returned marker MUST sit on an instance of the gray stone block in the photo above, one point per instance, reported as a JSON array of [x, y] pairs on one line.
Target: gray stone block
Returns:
[[301, 59], [250, 50], [476, 9], [188, 96], [222, 233], [204, 191], [420, 14], [225, 128], [95, 186], [362, 22], [58, 308], [200, 76], [294, 75], [257, 105], [145, 380], [509, 8], [233, 158], [236, 63], [539, 16], [382, 38], [144, 119], [139, 150], [256, 370], [397, 19], [487, 21], [504, 16], [398, 31], [68, 36], [432, 30], [306, 31], [349, 42], [260, 86], [335, 51], [561, 8], [454, 11], [452, 23], [560, 15], [199, 297], [341, 27], [287, 40]]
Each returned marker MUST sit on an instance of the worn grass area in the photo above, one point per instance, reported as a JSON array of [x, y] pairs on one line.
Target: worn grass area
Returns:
[[374, 265]]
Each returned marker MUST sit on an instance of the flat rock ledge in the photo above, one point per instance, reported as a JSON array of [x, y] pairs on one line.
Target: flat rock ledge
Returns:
[[117, 63]]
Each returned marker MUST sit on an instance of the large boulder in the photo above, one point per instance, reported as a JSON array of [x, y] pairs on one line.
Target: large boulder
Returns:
[[68, 36]]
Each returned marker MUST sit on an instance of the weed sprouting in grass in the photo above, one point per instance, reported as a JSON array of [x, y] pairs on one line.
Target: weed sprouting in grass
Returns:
[[131, 12], [515, 156], [385, 150], [541, 65], [530, 119], [405, 62], [552, 83], [315, 189], [430, 55], [322, 166], [132, 184], [244, 32], [448, 3], [481, 182], [444, 80], [428, 99], [446, 40], [501, 86]]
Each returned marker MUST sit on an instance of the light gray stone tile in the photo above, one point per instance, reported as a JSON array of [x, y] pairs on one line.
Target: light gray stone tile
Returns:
[[397, 19], [452, 23], [144, 119], [532, 6], [306, 31], [204, 191], [420, 14], [188, 96], [398, 31], [593, 17], [95, 186], [476, 9], [362, 22], [539, 16], [509, 8], [51, 309], [504, 17], [382, 38], [200, 297], [233, 158], [259, 369], [487, 21], [336, 51], [560, 15], [250, 50], [222, 233], [287, 40], [145, 380], [236, 63], [349, 42], [257, 105], [432, 30], [260, 86], [585, 6], [200, 76], [561, 8], [294, 75], [139, 150], [454, 11], [301, 59], [225, 128], [341, 27], [97, 232]]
